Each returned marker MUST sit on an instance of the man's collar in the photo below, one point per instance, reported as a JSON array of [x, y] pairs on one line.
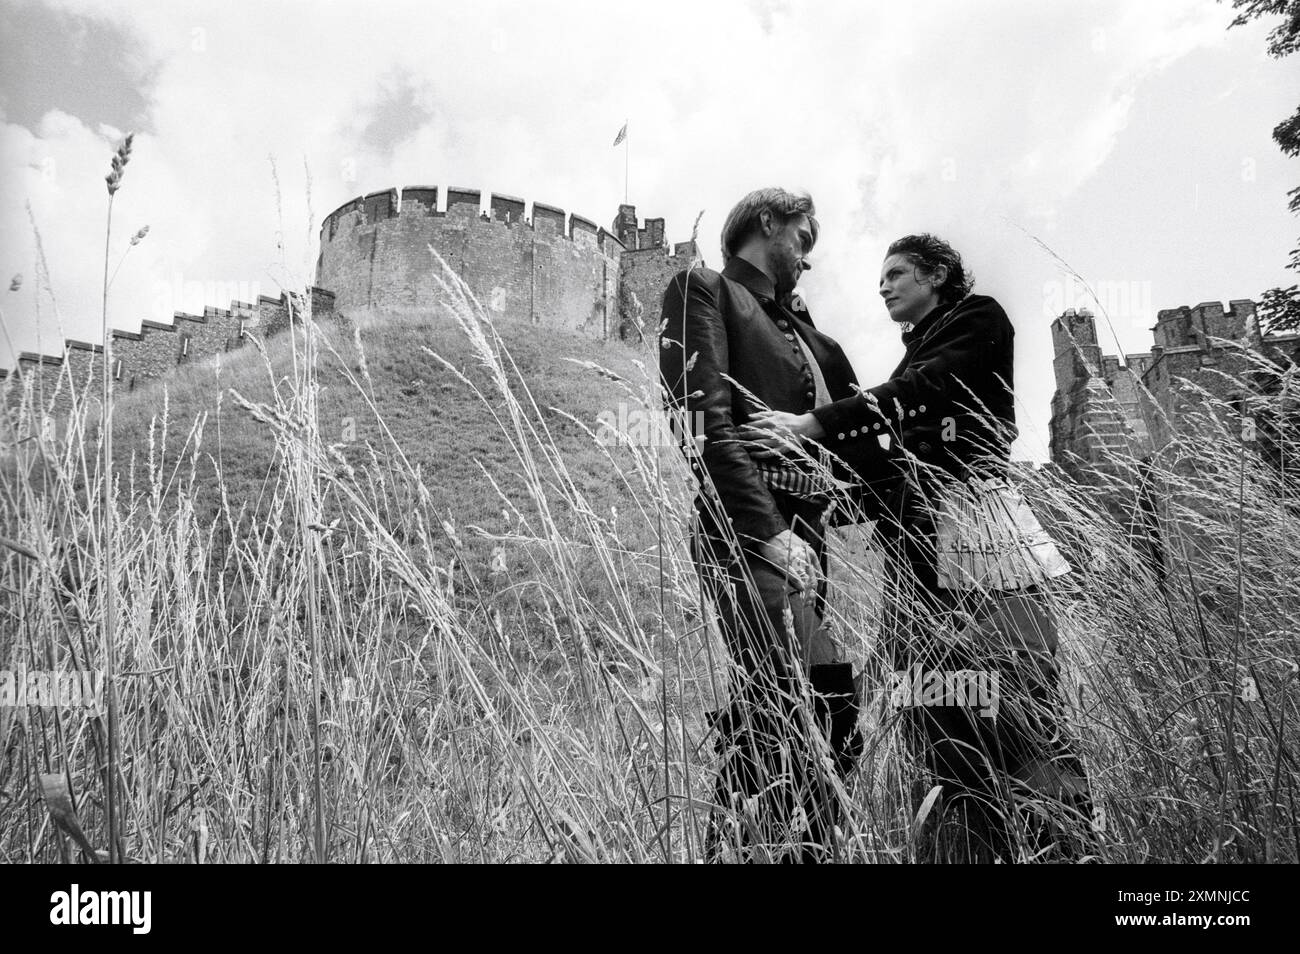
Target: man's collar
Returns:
[[749, 275]]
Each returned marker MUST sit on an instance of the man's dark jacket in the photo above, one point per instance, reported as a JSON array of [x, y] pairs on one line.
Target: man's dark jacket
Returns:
[[949, 401], [733, 324]]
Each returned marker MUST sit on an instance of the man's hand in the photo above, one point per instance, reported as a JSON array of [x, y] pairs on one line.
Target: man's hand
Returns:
[[777, 433], [793, 556]]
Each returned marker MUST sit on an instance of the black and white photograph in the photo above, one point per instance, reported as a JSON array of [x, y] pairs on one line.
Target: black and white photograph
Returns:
[[744, 432]]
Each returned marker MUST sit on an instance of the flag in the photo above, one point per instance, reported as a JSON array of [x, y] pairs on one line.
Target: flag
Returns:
[[622, 134]]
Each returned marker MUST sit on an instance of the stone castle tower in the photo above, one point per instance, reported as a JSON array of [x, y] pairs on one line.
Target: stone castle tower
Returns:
[[1103, 406], [530, 263], [520, 262]]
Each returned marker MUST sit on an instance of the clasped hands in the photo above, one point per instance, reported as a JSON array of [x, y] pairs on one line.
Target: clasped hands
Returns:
[[778, 433], [775, 434]]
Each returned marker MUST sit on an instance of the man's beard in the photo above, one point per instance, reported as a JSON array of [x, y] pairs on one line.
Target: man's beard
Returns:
[[786, 280]]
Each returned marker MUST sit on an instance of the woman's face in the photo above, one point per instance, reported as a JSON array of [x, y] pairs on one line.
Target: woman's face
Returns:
[[909, 294]]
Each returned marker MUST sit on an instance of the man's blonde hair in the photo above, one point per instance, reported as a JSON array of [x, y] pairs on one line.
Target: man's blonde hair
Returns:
[[743, 220]]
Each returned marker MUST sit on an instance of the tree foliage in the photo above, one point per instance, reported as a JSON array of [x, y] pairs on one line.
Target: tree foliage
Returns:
[[1279, 308]]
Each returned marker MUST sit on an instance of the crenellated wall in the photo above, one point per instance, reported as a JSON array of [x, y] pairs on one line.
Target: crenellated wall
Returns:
[[60, 382], [545, 268], [1102, 405], [632, 237]]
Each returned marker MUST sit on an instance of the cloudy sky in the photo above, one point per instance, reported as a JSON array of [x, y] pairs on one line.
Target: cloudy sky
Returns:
[[1130, 136]]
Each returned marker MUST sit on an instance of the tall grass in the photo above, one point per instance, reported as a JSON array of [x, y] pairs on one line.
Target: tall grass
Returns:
[[339, 667]]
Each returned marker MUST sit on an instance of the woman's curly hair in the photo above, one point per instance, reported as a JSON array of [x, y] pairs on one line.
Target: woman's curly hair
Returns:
[[927, 252]]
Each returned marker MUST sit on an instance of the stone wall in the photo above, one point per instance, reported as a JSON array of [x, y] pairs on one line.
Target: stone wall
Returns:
[[646, 273], [59, 382], [375, 254], [1102, 406], [1087, 423]]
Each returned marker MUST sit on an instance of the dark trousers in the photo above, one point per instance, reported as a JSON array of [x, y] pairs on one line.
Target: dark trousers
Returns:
[[789, 707]]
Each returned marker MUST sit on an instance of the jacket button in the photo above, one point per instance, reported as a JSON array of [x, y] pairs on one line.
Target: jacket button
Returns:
[[810, 396], [840, 436], [853, 433], [783, 324], [789, 336]]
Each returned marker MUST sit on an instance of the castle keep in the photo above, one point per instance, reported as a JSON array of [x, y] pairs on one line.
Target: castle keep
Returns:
[[1103, 406], [375, 254], [523, 262]]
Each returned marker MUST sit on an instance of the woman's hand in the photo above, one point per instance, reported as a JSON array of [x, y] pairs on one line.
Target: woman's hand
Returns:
[[776, 433]]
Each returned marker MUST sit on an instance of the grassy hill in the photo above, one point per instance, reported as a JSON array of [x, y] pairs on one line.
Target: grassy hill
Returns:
[[413, 408], [441, 426]]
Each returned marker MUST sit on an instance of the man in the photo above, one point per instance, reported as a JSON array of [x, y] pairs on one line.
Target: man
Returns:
[[733, 344]]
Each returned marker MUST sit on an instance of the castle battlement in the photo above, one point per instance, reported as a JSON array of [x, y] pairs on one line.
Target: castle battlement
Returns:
[[534, 263], [634, 237], [370, 210], [463, 200], [507, 208], [1103, 405], [153, 352], [1195, 326]]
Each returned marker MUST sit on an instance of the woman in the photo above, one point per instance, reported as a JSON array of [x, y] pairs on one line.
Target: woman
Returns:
[[965, 609]]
